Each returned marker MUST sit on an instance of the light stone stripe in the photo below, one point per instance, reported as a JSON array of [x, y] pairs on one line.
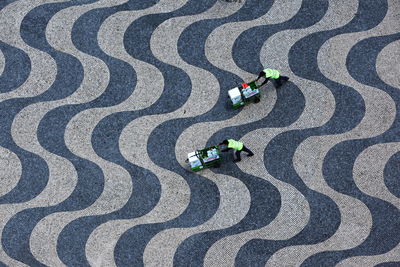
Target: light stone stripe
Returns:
[[62, 178], [290, 196], [379, 116], [100, 245], [234, 205], [220, 41], [219, 54], [6, 212], [43, 67], [388, 63], [10, 170], [175, 192], [2, 62], [292, 216], [62, 175], [308, 161], [42, 75], [188, 142], [373, 260], [146, 75], [294, 213], [368, 171], [172, 184]]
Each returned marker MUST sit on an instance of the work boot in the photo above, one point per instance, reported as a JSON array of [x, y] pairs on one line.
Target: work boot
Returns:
[[250, 155], [282, 80], [236, 160]]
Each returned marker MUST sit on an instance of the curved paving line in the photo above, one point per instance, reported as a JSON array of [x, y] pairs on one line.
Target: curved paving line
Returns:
[[177, 124], [138, 130], [392, 174], [309, 14], [44, 235], [127, 211], [218, 221], [58, 84], [221, 40], [388, 62], [16, 68], [309, 156], [34, 176], [304, 53], [385, 216], [369, 170], [200, 242], [391, 258], [90, 177], [10, 170], [265, 198], [211, 231], [100, 243], [321, 224], [291, 219], [42, 65], [34, 168], [189, 218], [2, 62], [5, 3], [388, 264]]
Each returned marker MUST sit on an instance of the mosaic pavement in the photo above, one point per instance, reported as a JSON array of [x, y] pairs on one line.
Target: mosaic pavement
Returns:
[[100, 102]]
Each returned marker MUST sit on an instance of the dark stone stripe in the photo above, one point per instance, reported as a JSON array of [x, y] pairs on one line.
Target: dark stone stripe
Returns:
[[203, 192], [265, 198], [4, 3], [16, 69], [16, 234], [325, 216], [389, 264], [392, 174], [385, 232]]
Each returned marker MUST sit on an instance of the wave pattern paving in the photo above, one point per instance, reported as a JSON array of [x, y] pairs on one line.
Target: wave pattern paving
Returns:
[[100, 102]]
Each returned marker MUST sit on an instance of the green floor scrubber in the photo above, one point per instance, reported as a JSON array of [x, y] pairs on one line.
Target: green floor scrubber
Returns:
[[244, 94], [204, 158]]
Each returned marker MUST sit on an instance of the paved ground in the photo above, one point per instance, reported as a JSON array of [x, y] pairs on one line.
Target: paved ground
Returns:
[[101, 101]]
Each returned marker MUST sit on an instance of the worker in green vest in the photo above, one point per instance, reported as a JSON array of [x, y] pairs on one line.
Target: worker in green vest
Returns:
[[236, 145], [277, 79]]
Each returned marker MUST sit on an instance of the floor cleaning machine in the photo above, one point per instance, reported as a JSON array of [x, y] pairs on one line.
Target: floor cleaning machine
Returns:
[[244, 94], [204, 158]]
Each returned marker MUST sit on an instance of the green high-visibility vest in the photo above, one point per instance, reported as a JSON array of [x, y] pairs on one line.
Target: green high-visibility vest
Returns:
[[271, 73], [235, 144]]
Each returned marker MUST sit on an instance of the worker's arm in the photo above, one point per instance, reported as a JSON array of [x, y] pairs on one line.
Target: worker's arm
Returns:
[[264, 82], [224, 148], [262, 74]]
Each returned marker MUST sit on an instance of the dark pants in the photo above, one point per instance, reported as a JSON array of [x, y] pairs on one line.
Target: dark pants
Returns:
[[237, 153]]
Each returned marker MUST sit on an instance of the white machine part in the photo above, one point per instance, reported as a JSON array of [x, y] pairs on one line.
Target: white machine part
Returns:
[[234, 95], [194, 161]]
